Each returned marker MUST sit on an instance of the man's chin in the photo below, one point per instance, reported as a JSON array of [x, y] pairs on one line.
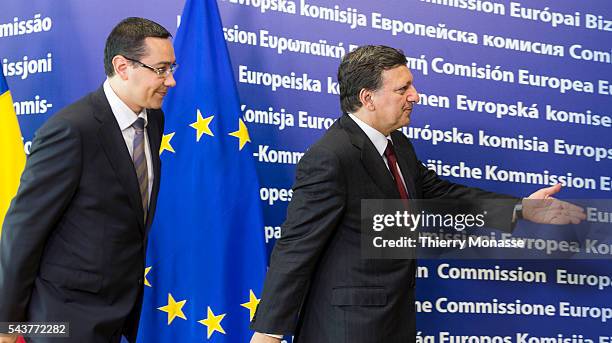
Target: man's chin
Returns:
[[402, 124], [156, 105], [406, 121]]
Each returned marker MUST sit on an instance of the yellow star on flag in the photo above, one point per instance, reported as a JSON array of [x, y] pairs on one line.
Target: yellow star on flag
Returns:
[[251, 304], [146, 282], [242, 134], [174, 309], [212, 323], [165, 143], [201, 126]]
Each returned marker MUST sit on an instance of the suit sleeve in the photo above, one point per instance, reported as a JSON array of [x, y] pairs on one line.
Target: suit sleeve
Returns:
[[434, 187], [47, 185], [499, 207], [317, 205]]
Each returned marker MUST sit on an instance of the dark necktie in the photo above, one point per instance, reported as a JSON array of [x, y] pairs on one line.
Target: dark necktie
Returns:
[[392, 161], [140, 164]]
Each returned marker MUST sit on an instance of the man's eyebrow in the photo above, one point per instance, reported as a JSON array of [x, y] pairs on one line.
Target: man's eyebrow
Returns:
[[405, 86], [165, 62]]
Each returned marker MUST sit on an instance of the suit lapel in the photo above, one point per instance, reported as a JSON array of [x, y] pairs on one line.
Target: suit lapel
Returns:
[[372, 161], [405, 160], [117, 153], [154, 143]]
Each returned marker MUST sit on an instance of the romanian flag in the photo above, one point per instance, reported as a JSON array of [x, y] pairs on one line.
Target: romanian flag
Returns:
[[12, 155]]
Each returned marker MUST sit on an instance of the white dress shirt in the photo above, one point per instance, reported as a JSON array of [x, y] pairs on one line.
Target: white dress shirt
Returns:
[[380, 142], [125, 118]]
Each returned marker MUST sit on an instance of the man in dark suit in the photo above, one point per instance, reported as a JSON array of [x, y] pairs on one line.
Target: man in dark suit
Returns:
[[73, 241], [318, 286]]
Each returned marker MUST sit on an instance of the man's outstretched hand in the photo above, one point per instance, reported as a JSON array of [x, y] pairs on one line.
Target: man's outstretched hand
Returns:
[[541, 207]]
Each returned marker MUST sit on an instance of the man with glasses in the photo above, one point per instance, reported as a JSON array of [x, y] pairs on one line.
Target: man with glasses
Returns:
[[73, 241]]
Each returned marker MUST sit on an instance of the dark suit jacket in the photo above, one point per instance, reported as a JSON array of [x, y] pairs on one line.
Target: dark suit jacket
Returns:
[[73, 241], [318, 286]]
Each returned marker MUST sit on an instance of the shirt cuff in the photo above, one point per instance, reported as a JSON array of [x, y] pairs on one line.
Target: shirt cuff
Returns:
[[273, 335]]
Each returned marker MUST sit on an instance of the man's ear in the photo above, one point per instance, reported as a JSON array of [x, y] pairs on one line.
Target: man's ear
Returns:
[[121, 64], [365, 96]]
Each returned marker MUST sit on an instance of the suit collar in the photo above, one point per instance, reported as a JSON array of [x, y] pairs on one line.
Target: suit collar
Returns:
[[123, 114], [153, 130], [371, 159], [406, 162], [376, 137], [114, 147]]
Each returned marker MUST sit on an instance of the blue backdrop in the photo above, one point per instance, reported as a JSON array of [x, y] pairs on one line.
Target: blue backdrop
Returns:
[[529, 82]]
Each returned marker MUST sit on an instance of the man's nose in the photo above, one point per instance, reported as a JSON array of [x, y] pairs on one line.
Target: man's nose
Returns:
[[413, 95], [170, 81]]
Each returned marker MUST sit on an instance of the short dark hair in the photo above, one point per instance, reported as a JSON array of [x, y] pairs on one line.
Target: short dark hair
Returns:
[[128, 39], [362, 68]]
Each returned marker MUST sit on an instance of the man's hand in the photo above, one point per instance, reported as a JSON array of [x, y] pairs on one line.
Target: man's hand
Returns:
[[541, 207], [262, 338], [4, 338]]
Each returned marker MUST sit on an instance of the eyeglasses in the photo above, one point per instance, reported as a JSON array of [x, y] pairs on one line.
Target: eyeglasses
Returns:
[[161, 72]]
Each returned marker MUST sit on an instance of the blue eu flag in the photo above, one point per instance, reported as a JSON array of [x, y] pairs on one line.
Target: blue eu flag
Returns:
[[206, 256]]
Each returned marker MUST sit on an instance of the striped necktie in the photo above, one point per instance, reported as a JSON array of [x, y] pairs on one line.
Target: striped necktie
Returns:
[[140, 164]]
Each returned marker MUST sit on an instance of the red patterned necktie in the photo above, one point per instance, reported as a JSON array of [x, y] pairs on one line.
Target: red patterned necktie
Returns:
[[392, 161]]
